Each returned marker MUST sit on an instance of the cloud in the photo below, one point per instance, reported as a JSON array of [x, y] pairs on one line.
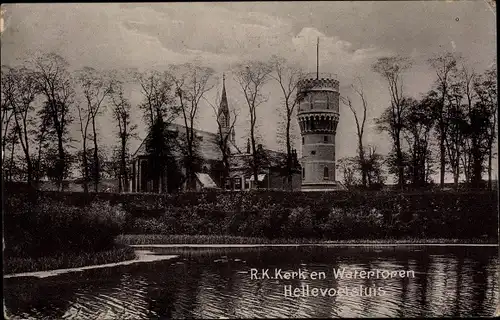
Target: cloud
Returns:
[[156, 35], [352, 36]]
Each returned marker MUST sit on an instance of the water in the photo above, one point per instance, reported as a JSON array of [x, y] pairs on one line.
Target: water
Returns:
[[216, 283]]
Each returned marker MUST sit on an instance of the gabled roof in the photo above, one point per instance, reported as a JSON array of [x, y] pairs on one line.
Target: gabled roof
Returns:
[[208, 147], [275, 158], [205, 180]]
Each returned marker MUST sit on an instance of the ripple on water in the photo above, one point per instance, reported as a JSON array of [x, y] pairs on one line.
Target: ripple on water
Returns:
[[445, 284]]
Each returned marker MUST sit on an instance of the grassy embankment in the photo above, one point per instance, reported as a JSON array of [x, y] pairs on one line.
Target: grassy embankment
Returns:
[[44, 235], [63, 260], [47, 230], [152, 239]]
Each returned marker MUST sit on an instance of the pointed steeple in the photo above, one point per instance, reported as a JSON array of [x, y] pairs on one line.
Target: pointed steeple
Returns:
[[224, 107]]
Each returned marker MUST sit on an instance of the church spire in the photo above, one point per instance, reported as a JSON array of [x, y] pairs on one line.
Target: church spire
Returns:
[[224, 108], [223, 112]]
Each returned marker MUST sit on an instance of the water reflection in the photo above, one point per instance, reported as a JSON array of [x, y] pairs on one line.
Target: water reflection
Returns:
[[215, 283]]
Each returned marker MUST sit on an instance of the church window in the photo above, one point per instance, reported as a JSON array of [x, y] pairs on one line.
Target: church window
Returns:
[[325, 139], [237, 183], [302, 140], [313, 152], [325, 173], [303, 173]]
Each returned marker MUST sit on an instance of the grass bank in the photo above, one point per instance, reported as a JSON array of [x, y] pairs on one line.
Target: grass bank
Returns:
[[46, 230], [64, 260], [46, 234], [281, 214], [146, 239]]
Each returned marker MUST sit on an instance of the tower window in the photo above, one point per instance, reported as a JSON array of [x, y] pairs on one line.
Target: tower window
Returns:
[[303, 140], [303, 173], [325, 173], [313, 152], [325, 139]]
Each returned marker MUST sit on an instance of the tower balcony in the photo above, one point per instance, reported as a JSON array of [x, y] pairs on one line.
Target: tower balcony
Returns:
[[309, 116], [319, 123]]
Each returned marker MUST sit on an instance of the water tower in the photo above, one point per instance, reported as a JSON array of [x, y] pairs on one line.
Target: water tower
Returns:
[[318, 116]]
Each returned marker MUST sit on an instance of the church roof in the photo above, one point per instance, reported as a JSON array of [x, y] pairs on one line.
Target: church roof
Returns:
[[274, 159], [208, 147], [205, 180]]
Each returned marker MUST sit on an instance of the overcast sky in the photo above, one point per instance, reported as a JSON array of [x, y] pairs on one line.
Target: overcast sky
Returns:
[[220, 35]]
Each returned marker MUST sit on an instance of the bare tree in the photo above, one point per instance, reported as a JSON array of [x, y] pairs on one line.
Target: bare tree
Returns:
[[374, 167], [360, 128], [41, 139], [156, 88], [418, 122], [7, 91], [471, 155], [54, 82], [455, 129], [392, 70], [96, 87], [251, 77], [445, 66], [191, 84], [21, 97], [126, 131], [10, 166], [159, 113], [486, 90], [287, 76], [347, 167], [84, 121]]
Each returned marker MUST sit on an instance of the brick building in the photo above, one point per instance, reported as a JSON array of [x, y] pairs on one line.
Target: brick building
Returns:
[[240, 178]]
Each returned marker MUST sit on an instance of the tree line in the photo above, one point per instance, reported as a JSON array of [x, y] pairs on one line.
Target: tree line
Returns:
[[42, 99], [449, 129]]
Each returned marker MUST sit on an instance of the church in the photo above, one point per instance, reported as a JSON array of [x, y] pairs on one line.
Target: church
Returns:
[[210, 177]]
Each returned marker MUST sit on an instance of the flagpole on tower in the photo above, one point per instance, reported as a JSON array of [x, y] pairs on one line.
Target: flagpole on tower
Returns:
[[317, 59]]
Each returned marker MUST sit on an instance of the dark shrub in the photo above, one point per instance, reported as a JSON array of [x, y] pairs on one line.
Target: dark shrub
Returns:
[[50, 226], [261, 213]]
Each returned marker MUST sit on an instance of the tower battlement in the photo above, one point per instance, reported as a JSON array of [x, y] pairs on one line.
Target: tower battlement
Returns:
[[318, 84]]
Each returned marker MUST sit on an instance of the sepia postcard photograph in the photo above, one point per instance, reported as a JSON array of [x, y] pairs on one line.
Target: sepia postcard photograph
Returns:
[[208, 160]]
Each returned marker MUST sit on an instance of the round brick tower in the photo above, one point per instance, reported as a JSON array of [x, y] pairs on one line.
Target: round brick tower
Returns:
[[318, 116]]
